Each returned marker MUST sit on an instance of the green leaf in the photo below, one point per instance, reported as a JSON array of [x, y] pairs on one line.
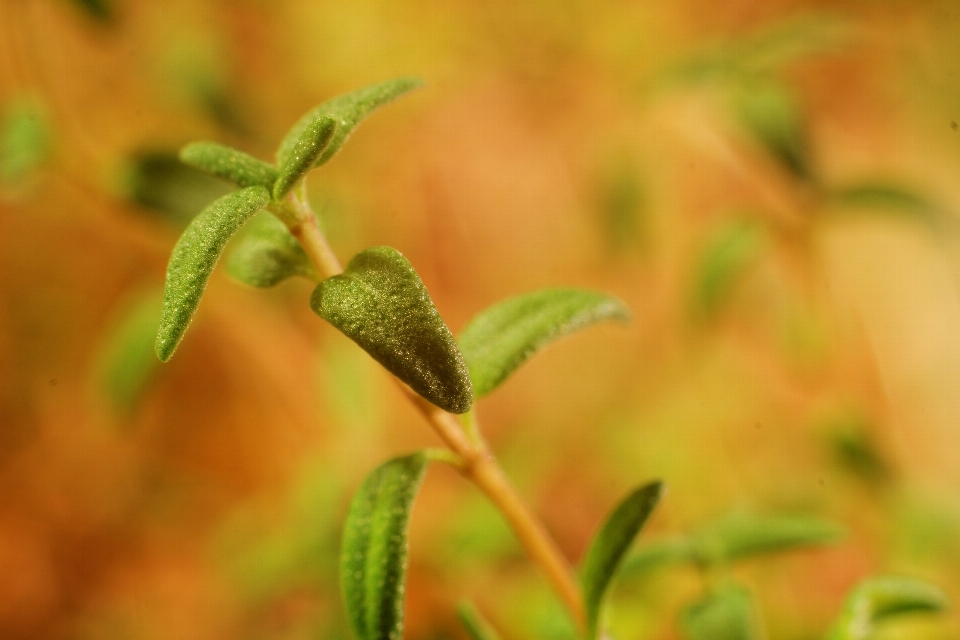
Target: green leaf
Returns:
[[503, 337], [877, 599], [267, 254], [373, 558], [302, 156], [726, 614], [348, 110], [25, 139], [194, 257], [230, 164], [772, 115], [473, 621], [740, 535], [380, 303], [127, 360], [678, 550], [726, 257], [610, 545], [885, 198]]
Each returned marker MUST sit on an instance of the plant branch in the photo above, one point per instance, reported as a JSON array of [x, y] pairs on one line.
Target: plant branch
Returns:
[[477, 463]]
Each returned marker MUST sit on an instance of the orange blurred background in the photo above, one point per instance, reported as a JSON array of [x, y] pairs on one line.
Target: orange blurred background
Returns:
[[770, 186]]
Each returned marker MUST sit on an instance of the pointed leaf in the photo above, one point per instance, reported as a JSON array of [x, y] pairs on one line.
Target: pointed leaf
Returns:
[[230, 164], [194, 257], [268, 254], [302, 156], [610, 545], [741, 535], [380, 303], [373, 558], [503, 337], [726, 614], [885, 198], [772, 115], [728, 254], [877, 599], [476, 625], [348, 110]]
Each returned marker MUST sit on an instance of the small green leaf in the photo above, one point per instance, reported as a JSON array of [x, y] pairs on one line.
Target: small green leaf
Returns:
[[194, 257], [476, 625], [226, 162], [726, 614], [348, 110], [740, 535], [771, 113], [885, 198], [380, 303], [877, 599], [726, 257], [303, 155], [373, 556], [25, 139], [267, 254], [679, 550], [610, 545], [503, 337], [128, 362]]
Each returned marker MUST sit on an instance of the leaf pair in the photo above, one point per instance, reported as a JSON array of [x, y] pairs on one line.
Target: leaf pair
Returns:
[[272, 256], [313, 140]]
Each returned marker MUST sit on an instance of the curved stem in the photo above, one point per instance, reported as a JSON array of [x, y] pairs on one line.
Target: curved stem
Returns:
[[476, 461]]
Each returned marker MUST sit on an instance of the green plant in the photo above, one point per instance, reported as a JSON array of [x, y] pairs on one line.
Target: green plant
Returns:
[[380, 303]]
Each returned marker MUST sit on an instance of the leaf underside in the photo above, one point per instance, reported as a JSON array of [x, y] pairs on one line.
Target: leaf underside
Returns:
[[302, 156], [501, 338], [875, 600], [194, 257], [230, 164], [380, 303], [268, 254], [373, 559], [726, 614], [610, 545], [347, 110]]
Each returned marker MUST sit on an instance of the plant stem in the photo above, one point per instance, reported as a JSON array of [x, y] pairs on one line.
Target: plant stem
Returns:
[[477, 462]]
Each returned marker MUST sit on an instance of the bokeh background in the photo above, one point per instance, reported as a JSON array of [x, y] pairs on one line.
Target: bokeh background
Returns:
[[771, 187]]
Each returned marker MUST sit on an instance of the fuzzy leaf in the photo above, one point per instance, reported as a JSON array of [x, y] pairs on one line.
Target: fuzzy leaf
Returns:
[[610, 545], [302, 156], [348, 110], [373, 556], [503, 337], [726, 614], [268, 254], [741, 535], [128, 362], [380, 303], [877, 599], [723, 262], [230, 164], [194, 257], [476, 625]]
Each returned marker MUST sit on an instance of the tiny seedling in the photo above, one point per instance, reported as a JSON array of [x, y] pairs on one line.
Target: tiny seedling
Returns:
[[381, 304]]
